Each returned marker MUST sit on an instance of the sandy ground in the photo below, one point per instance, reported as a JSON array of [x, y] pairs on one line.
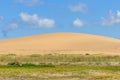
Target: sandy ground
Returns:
[[64, 43]]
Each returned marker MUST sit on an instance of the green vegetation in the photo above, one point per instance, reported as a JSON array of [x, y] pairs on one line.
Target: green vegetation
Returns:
[[59, 67], [60, 72], [58, 59]]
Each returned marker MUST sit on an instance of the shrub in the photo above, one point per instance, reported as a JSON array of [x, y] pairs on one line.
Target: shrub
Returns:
[[47, 65], [35, 55], [87, 54], [28, 65], [14, 64], [11, 54]]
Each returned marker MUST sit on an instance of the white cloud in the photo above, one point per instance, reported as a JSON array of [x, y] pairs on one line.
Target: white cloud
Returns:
[[9, 27], [31, 2], [78, 23], [81, 7], [1, 18], [37, 21], [114, 18], [118, 13]]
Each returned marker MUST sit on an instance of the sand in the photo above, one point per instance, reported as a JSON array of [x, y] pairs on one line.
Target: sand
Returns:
[[62, 43]]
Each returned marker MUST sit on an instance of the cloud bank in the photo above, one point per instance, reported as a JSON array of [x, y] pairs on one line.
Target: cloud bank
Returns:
[[29, 20], [36, 21], [114, 18], [81, 7], [31, 2]]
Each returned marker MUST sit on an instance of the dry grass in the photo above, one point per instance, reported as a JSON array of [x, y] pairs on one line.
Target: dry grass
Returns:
[[59, 67], [60, 59]]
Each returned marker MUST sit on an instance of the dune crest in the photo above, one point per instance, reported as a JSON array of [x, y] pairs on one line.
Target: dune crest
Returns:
[[68, 43]]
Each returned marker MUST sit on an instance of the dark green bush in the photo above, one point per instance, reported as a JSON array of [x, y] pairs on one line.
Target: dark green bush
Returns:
[[87, 54], [14, 64], [28, 65], [47, 65]]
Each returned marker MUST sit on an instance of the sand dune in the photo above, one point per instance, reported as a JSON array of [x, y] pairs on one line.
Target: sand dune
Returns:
[[69, 43]]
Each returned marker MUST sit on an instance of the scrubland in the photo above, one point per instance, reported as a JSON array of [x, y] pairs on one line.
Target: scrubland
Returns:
[[59, 67]]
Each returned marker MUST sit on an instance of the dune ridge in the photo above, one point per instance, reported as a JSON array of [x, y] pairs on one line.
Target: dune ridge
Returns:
[[65, 43]]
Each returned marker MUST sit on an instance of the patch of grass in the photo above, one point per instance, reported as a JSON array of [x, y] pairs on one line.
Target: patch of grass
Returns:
[[62, 72], [60, 59], [28, 65], [47, 65], [17, 64], [11, 54], [59, 67]]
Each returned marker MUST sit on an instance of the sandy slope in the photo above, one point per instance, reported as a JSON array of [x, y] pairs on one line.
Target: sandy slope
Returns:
[[69, 43]]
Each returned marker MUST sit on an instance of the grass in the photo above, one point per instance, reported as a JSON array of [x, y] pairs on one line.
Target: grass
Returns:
[[59, 72], [57, 58], [59, 67]]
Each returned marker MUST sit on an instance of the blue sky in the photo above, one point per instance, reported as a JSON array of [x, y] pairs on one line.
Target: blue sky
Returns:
[[20, 18]]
